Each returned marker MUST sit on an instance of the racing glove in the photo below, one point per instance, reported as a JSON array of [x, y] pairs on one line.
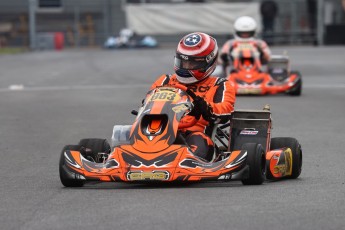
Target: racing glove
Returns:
[[201, 107]]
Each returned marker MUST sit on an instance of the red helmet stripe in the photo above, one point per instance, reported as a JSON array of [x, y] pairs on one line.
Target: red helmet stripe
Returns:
[[188, 66]]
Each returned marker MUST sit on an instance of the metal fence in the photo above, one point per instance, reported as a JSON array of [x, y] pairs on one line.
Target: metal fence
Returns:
[[87, 23], [82, 23]]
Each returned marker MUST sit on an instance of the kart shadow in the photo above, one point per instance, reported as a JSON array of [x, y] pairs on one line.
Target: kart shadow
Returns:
[[174, 185], [105, 186], [267, 95]]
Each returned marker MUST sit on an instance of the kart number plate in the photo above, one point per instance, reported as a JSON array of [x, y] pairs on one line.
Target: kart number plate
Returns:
[[165, 95], [249, 91], [243, 46], [154, 175]]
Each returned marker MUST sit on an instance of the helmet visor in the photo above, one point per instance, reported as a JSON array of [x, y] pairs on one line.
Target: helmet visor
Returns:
[[245, 34], [193, 63]]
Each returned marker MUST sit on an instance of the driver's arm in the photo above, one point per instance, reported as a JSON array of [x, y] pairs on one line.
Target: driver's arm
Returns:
[[265, 52], [223, 57], [223, 101]]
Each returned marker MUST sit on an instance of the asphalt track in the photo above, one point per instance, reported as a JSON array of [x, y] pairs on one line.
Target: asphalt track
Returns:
[[50, 99]]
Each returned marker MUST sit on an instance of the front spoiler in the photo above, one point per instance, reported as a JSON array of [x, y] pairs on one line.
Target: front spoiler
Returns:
[[267, 86], [241, 174], [264, 89], [76, 167]]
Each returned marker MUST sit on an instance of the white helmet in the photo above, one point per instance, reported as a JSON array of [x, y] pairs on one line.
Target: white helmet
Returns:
[[245, 28]]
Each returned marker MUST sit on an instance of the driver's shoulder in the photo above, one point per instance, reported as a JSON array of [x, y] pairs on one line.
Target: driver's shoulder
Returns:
[[209, 85], [260, 42], [164, 79], [216, 81]]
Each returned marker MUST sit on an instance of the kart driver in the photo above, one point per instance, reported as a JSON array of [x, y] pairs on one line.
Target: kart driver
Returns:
[[245, 29], [195, 60]]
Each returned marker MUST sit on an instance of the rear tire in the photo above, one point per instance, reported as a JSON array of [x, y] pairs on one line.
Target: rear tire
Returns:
[[64, 178], [297, 90], [294, 145], [256, 162]]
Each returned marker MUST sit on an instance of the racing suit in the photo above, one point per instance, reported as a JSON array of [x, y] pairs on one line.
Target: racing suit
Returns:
[[262, 47], [220, 96]]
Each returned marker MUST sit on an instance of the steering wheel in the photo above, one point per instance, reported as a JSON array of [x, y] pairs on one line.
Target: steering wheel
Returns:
[[193, 119]]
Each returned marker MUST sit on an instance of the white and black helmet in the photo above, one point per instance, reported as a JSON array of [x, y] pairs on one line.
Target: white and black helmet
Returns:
[[245, 28]]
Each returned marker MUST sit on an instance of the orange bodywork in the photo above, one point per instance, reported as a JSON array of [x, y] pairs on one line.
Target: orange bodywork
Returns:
[[254, 82], [153, 153], [279, 163], [132, 165], [247, 76]]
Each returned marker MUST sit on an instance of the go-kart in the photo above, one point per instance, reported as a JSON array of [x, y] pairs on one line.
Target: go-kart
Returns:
[[134, 42], [154, 149], [129, 39], [249, 77]]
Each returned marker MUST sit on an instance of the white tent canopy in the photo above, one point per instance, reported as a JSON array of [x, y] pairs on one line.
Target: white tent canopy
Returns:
[[213, 18]]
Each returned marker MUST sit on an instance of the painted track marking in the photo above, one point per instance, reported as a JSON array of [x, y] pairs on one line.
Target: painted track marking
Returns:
[[20, 87]]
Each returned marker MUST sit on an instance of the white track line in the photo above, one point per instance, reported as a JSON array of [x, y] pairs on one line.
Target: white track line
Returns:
[[13, 88], [21, 88]]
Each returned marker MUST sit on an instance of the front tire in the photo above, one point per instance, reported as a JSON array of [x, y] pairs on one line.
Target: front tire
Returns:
[[256, 162], [96, 145], [64, 177], [297, 89], [294, 145]]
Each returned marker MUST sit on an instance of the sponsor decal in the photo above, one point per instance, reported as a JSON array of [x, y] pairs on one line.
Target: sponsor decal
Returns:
[[284, 165], [184, 57], [280, 169], [225, 177], [210, 57], [201, 89], [154, 175], [278, 70], [180, 108], [288, 160], [249, 132]]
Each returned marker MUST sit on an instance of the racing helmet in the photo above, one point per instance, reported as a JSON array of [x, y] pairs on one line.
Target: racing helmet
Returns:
[[196, 56], [245, 28]]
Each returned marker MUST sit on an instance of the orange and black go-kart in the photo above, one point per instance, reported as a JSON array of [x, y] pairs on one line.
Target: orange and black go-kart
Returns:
[[249, 77], [153, 148]]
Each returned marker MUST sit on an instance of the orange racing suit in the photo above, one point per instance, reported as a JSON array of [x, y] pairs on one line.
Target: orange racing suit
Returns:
[[220, 95], [264, 50]]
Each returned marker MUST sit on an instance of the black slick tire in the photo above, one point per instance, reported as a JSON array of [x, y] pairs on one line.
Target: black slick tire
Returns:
[[64, 178], [297, 89], [256, 162]]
